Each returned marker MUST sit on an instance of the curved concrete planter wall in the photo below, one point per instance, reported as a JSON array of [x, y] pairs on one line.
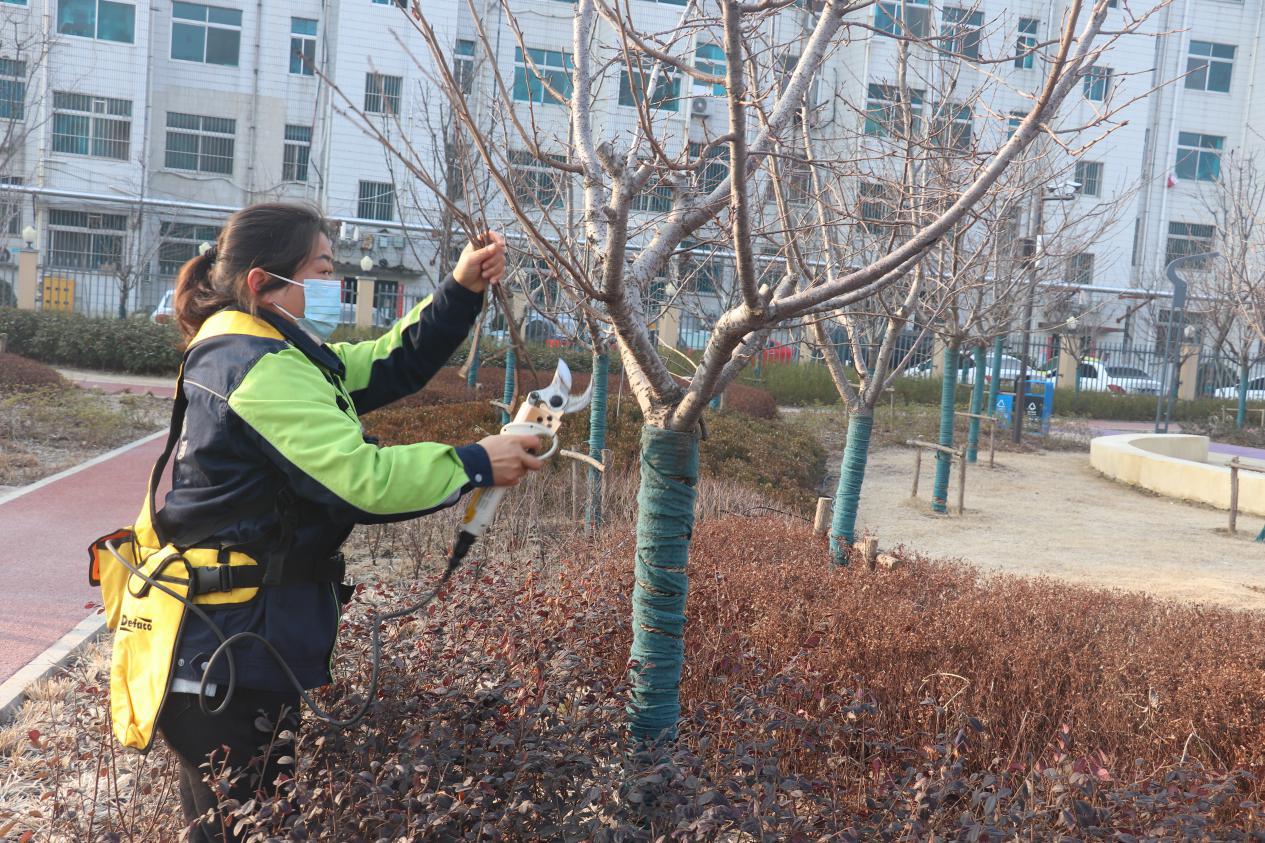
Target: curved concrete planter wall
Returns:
[[1175, 465]]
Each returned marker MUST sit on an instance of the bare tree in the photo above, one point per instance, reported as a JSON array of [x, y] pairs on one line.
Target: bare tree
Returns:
[[612, 257]]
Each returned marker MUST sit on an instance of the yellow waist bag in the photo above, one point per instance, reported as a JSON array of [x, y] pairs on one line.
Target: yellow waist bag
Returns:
[[148, 584]]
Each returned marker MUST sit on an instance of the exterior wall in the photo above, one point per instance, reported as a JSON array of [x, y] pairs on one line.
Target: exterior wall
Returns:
[[355, 37]]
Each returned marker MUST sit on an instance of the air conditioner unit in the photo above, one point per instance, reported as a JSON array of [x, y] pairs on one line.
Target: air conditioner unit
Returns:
[[699, 106]]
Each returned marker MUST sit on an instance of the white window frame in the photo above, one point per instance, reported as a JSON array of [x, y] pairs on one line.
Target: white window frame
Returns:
[[205, 137], [100, 115], [303, 46], [207, 26], [374, 199], [1089, 175], [94, 229], [383, 93], [296, 153]]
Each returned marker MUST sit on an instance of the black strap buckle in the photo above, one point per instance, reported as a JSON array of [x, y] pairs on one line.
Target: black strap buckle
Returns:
[[212, 579]]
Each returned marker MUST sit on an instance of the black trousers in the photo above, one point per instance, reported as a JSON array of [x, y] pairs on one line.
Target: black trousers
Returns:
[[242, 740]]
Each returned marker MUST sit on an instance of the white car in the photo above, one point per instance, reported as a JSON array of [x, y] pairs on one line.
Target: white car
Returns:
[[966, 369], [166, 311], [1255, 390], [1097, 376]]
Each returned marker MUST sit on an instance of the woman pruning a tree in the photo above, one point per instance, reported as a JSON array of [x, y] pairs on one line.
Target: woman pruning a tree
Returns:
[[271, 473]]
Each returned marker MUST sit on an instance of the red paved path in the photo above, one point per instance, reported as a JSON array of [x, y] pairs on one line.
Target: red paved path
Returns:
[[44, 558]]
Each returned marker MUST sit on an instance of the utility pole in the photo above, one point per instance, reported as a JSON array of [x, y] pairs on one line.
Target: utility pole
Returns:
[[1063, 192]]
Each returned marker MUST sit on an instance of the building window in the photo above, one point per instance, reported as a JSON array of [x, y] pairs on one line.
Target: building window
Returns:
[[1096, 83], [179, 242], [105, 20], [377, 201], [1198, 156], [655, 198], [1013, 121], [634, 82], [951, 126], [382, 93], [1026, 44], [88, 125], [201, 144], [700, 273], [207, 34], [1089, 174], [715, 165], [1080, 268], [463, 65], [1208, 67], [710, 59], [12, 89], [903, 17], [536, 184], [1188, 238], [876, 207], [298, 149], [883, 112], [11, 207], [80, 240], [403, 4], [960, 31], [303, 46], [546, 79]]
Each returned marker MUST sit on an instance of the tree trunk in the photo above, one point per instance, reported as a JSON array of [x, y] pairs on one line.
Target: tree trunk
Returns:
[[948, 388], [1240, 418], [977, 404], [472, 364], [511, 378], [665, 522], [856, 454], [597, 439], [995, 383]]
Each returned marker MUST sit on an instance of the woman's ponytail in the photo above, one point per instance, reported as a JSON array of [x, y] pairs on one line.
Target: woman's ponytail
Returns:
[[273, 236], [195, 297]]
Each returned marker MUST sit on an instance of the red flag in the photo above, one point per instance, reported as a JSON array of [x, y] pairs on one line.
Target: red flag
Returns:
[[1171, 180]]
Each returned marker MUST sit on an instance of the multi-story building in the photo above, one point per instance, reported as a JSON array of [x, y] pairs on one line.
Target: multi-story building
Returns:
[[141, 125]]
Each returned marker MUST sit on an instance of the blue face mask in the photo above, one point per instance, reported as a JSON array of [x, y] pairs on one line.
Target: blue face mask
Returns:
[[323, 309]]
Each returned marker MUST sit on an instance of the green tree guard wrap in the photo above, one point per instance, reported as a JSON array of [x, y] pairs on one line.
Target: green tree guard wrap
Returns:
[[511, 374], [472, 374], [1240, 417], [597, 438], [977, 403], [856, 454], [995, 382], [948, 386], [665, 522]]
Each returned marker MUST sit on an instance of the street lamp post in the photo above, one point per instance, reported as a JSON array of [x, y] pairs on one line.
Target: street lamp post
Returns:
[[1173, 340], [1063, 192]]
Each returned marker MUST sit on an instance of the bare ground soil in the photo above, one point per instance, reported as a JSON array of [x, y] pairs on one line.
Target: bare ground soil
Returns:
[[1051, 514]]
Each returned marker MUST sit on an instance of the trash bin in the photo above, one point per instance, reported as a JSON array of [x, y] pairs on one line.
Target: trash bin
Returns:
[[1038, 406]]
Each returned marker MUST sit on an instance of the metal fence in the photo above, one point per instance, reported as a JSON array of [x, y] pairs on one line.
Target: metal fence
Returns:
[[96, 293]]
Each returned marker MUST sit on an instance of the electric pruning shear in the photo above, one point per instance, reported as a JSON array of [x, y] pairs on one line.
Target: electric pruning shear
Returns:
[[540, 414]]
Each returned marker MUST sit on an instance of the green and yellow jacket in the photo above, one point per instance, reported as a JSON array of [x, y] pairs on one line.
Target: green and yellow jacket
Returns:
[[272, 433]]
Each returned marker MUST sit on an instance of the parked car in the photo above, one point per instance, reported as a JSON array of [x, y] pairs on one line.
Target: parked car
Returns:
[[966, 369], [1098, 376], [166, 310], [1255, 390]]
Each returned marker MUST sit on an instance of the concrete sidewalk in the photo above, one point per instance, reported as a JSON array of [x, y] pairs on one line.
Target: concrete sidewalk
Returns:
[[110, 382]]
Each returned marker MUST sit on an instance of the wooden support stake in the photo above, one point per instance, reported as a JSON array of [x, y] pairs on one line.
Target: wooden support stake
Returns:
[[1234, 495], [917, 470], [821, 521], [868, 547], [575, 493]]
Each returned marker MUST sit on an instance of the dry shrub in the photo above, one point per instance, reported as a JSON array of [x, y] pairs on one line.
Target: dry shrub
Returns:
[[820, 704], [18, 374], [1138, 681], [753, 401]]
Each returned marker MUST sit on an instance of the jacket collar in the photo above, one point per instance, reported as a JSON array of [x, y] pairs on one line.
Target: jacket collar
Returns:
[[320, 354]]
